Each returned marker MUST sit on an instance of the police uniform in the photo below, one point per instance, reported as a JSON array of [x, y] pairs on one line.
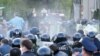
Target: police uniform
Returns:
[[97, 43], [16, 42], [89, 45], [61, 42]]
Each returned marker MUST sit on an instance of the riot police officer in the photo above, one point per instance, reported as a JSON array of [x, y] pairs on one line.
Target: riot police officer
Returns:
[[16, 42], [15, 33], [60, 37], [34, 41], [92, 36], [32, 38], [76, 39], [35, 31], [45, 37], [89, 48], [77, 46], [61, 42], [56, 51], [44, 51]]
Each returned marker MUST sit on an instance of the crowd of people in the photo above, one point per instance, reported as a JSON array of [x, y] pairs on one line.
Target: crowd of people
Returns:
[[32, 43]]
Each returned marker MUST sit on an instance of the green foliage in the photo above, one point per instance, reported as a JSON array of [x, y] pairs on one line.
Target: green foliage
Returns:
[[67, 6], [25, 6], [97, 14]]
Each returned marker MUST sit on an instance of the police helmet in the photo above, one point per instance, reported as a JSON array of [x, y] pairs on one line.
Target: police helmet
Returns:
[[34, 31], [84, 21], [16, 42], [1, 37], [44, 51], [77, 37], [25, 33], [45, 37], [91, 34], [11, 34], [60, 38], [32, 38], [81, 32], [17, 33]]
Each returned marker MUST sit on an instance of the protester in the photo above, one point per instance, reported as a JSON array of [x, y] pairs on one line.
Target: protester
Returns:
[[15, 52], [16, 22], [26, 47]]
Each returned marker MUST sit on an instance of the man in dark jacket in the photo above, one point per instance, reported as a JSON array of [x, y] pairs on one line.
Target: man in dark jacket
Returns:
[[26, 47]]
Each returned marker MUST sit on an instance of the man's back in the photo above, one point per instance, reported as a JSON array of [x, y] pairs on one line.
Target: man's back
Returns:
[[4, 49], [17, 22]]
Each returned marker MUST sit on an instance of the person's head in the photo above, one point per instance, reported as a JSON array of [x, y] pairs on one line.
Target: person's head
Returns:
[[88, 47], [16, 42], [81, 32], [77, 37], [60, 37], [44, 51], [17, 33], [84, 21], [91, 34], [15, 52], [4, 41], [45, 37], [26, 45], [34, 31], [32, 38]]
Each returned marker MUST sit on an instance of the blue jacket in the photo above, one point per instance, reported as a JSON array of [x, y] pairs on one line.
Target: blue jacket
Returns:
[[17, 22], [5, 49]]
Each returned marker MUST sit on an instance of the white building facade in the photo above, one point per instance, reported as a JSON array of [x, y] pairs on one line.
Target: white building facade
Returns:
[[88, 8]]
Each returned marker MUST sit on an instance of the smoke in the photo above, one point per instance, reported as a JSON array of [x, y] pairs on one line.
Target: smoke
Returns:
[[51, 24]]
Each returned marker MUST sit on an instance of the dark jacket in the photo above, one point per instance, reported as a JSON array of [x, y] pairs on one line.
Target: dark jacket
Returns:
[[28, 53]]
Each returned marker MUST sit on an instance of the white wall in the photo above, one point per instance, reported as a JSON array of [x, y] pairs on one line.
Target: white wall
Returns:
[[76, 11], [88, 7]]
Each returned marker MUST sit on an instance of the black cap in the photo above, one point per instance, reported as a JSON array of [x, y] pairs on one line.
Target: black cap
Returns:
[[77, 37], [34, 30], [60, 38], [16, 42], [45, 37]]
